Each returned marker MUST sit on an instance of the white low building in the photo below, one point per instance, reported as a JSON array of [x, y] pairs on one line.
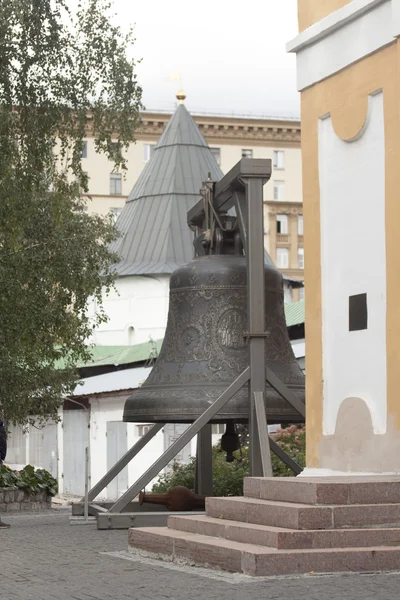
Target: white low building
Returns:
[[92, 418]]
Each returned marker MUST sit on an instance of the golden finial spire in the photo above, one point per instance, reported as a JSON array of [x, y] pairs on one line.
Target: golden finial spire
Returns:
[[181, 96]]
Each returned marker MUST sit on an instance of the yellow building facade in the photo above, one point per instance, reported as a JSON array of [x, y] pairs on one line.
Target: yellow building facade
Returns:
[[348, 67]]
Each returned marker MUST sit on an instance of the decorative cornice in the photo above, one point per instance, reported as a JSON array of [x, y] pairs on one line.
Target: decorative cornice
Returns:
[[344, 37], [242, 131], [230, 130], [284, 208], [331, 23]]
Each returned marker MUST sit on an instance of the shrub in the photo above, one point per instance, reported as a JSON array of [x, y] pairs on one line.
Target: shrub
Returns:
[[228, 477], [28, 479], [293, 441]]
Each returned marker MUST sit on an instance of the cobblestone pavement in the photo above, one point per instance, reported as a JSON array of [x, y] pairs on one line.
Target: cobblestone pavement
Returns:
[[43, 557]]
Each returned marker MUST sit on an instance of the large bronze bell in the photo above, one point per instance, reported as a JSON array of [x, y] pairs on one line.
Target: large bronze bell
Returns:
[[205, 347]]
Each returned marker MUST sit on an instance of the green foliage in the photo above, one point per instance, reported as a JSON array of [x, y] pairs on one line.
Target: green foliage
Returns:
[[293, 441], [63, 74], [28, 479], [181, 474], [228, 477]]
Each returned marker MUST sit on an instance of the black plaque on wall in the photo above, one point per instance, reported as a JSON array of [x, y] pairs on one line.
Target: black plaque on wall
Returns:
[[358, 312]]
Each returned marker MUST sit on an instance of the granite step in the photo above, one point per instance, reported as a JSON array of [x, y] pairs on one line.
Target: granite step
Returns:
[[255, 560], [290, 515], [325, 490], [281, 538]]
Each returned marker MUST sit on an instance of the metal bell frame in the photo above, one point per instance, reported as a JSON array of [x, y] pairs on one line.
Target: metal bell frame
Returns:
[[241, 188]]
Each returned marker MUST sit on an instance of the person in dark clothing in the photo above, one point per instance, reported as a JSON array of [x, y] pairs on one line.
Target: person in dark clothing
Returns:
[[3, 452], [3, 442]]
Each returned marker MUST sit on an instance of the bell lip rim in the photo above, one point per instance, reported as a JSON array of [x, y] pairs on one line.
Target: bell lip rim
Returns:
[[241, 419], [220, 387]]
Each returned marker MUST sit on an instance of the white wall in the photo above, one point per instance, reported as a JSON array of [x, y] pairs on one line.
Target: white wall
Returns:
[[138, 302], [23, 447], [353, 255], [111, 409], [35, 446]]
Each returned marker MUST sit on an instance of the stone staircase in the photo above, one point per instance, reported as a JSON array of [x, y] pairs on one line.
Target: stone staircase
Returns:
[[288, 525]]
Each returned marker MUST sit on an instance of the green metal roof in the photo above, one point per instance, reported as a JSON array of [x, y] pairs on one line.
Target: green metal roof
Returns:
[[155, 237], [120, 355], [294, 313]]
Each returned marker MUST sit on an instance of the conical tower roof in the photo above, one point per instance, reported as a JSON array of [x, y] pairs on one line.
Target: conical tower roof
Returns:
[[155, 237]]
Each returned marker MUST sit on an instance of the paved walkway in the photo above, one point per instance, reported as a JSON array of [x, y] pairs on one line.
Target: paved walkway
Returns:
[[43, 557]]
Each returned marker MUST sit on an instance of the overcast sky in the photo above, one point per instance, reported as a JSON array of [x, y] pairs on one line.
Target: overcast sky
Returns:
[[232, 60]]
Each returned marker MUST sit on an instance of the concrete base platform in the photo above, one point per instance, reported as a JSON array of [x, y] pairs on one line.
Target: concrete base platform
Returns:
[[95, 507], [288, 526], [136, 519]]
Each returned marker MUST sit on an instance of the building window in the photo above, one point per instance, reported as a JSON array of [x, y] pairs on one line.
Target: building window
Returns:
[[84, 149], [282, 258], [216, 152], [115, 212], [116, 151], [82, 181], [218, 429], [115, 184], [301, 293], [279, 187], [300, 258], [300, 225], [143, 429], [281, 224], [148, 151], [131, 334], [247, 153], [279, 159]]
